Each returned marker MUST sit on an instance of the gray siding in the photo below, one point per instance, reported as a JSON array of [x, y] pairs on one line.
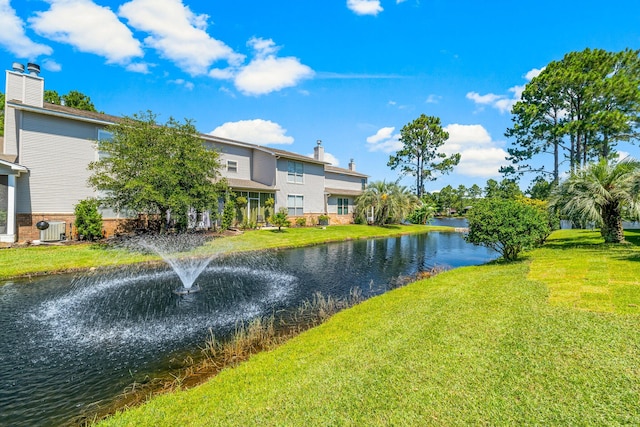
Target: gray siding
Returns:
[[312, 189], [57, 153], [343, 181], [264, 167], [241, 155], [11, 119]]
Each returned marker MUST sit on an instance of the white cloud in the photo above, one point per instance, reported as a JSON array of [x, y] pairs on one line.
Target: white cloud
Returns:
[[178, 34], [433, 99], [534, 72], [255, 131], [328, 157], [365, 7], [182, 82], [487, 99], [139, 67], [267, 73], [503, 103], [89, 28], [51, 65], [480, 156], [13, 37], [384, 140], [620, 155]]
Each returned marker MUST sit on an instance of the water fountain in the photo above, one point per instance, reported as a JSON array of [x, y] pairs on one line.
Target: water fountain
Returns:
[[171, 249]]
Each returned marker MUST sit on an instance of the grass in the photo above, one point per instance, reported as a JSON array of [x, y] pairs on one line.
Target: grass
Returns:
[[583, 273], [486, 345], [39, 260]]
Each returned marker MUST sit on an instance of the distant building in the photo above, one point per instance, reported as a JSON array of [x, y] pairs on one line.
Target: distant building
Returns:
[[47, 148]]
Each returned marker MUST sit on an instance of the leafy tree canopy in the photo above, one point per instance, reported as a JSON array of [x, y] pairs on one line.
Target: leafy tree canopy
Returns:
[[73, 99], [155, 168], [52, 97], [420, 155], [576, 110]]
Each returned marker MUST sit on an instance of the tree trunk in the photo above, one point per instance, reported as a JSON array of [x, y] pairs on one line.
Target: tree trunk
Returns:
[[556, 162], [612, 230]]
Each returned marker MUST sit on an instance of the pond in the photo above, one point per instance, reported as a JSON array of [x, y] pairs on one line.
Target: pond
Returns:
[[72, 343]]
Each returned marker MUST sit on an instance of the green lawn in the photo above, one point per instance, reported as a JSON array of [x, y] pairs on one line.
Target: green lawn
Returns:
[[48, 259], [499, 344]]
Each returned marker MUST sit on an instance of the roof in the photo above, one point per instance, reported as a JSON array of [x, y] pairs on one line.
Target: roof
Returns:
[[66, 112], [107, 119], [247, 184], [11, 164], [344, 171], [343, 192]]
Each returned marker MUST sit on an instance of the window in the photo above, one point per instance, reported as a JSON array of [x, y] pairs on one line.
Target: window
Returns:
[[364, 183], [295, 172], [343, 206], [232, 166], [295, 205], [103, 135]]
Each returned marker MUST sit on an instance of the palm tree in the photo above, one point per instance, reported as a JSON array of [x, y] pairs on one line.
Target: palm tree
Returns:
[[602, 192], [385, 203]]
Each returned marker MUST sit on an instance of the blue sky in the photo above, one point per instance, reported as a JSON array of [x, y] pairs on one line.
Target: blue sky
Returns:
[[287, 73]]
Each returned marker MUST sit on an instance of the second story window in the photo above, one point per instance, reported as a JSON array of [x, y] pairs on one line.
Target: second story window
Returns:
[[103, 135], [295, 172], [232, 166], [364, 183]]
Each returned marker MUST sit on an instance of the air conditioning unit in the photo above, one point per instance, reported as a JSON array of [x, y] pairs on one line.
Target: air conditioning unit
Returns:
[[56, 231]]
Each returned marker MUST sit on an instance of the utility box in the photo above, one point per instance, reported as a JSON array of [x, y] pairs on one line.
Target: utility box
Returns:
[[56, 231]]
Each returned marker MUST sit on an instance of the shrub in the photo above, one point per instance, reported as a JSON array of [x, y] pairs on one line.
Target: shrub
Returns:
[[507, 226], [323, 219], [268, 204], [301, 221], [88, 220], [280, 219], [228, 213]]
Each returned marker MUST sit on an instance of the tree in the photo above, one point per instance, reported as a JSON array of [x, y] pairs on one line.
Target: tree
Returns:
[[52, 97], [157, 169], [603, 193], [385, 203], [88, 219], [505, 189], [75, 99], [280, 219], [507, 226], [420, 155], [581, 106], [422, 214], [475, 192], [447, 198], [540, 189]]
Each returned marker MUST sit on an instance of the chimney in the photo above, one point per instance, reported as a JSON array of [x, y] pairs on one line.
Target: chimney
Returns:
[[34, 69], [352, 165], [23, 87], [318, 151], [17, 67]]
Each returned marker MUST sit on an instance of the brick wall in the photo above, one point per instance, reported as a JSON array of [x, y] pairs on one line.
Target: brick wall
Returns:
[[27, 231]]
